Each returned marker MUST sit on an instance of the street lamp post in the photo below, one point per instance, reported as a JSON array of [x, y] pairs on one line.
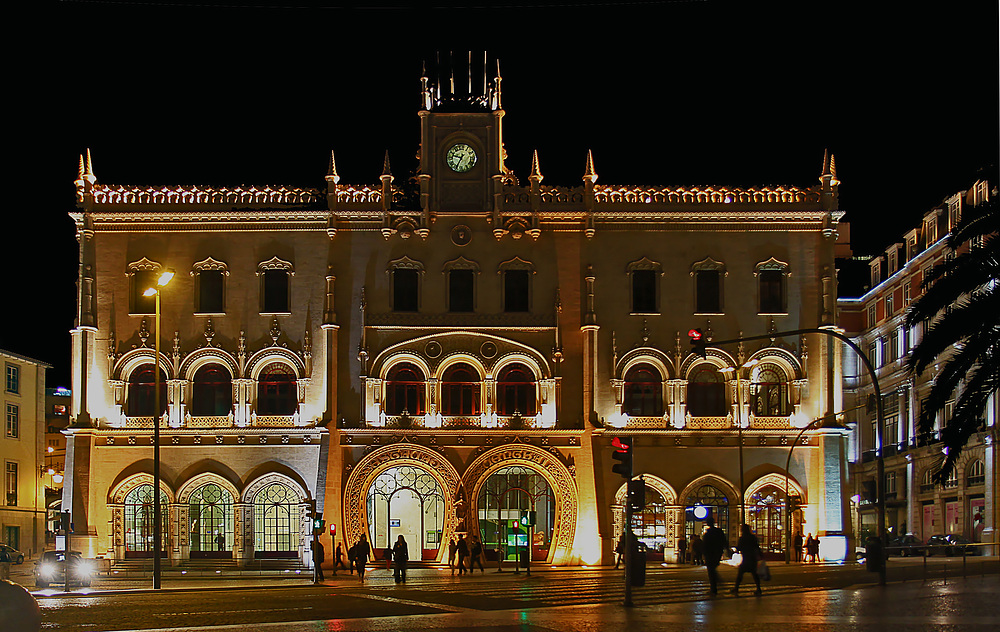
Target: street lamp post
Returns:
[[163, 280], [739, 429]]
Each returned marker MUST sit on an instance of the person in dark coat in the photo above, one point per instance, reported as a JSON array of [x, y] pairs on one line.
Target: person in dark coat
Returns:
[[619, 550], [463, 553], [682, 550], [697, 550], [400, 555], [814, 550], [797, 546], [338, 560], [362, 552], [476, 554], [715, 544], [452, 552], [319, 556], [749, 548]]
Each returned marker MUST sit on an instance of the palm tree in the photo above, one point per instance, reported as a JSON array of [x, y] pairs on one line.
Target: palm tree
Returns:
[[962, 304]]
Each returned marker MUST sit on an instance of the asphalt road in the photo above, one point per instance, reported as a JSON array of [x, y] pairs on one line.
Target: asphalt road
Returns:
[[810, 595]]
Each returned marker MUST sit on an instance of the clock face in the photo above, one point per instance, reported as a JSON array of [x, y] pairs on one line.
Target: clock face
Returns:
[[461, 158]]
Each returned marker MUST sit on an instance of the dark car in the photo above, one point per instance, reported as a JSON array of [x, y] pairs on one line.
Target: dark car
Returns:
[[62, 567], [905, 545], [15, 556], [950, 544]]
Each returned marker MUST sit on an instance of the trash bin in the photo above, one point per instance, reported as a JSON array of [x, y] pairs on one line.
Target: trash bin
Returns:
[[874, 555]]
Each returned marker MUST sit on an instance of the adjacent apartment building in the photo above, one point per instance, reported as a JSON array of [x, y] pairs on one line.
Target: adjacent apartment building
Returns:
[[966, 503], [22, 444]]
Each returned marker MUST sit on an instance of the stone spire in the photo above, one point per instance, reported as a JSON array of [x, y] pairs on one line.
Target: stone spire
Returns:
[[536, 172], [589, 173]]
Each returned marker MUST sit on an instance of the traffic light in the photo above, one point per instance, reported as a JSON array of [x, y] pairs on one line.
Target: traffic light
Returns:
[[622, 454], [637, 494], [333, 529], [794, 503], [315, 516], [698, 342]]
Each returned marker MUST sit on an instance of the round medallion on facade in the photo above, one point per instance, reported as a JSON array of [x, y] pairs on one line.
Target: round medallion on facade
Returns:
[[432, 349], [461, 235], [488, 350], [461, 157]]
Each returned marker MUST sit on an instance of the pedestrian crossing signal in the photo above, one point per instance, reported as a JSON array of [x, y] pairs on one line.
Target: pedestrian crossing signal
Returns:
[[622, 454]]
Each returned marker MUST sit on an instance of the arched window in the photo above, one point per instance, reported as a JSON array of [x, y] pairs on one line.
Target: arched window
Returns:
[[212, 392], [643, 392], [139, 537], [977, 473], [716, 500], [516, 391], [210, 512], [769, 392], [509, 493], [276, 392], [706, 393], [276, 522], [460, 391], [404, 390], [765, 513], [139, 401]]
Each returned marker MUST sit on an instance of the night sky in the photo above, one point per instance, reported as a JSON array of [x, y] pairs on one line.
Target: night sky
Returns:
[[673, 93]]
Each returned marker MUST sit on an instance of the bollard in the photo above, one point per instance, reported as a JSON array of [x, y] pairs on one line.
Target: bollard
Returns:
[[18, 609]]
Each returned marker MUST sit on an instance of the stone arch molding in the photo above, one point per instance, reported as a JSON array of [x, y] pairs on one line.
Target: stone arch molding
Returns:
[[363, 475], [557, 475], [121, 490], [661, 486], [776, 480]]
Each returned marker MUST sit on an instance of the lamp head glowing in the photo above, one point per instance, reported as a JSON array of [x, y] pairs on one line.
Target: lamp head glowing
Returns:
[[150, 291], [165, 277]]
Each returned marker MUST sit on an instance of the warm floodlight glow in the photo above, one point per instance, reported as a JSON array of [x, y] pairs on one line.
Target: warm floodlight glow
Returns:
[[165, 277], [149, 291]]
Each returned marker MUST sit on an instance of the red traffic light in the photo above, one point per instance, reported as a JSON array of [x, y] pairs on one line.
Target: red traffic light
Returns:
[[694, 335], [617, 444], [333, 529]]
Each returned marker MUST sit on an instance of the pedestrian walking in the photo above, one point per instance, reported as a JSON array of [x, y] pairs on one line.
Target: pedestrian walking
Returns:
[[452, 552], [387, 556], [619, 550], [715, 544], [362, 553], [220, 542], [319, 556], [400, 555], [807, 548], [682, 550], [797, 546], [749, 548], [814, 550], [697, 550], [476, 553], [463, 553], [338, 559]]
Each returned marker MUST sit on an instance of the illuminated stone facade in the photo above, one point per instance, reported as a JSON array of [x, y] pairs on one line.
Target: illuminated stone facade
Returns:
[[966, 503], [441, 355]]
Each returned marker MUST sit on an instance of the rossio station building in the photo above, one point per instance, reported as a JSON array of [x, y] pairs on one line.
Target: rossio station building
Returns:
[[446, 354]]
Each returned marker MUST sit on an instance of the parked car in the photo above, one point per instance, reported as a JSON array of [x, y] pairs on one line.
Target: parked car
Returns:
[[951, 544], [15, 556], [906, 545], [63, 567]]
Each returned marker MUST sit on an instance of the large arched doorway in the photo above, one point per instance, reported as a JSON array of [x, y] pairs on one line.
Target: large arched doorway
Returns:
[[276, 521], [655, 525], [706, 500], [210, 516], [517, 494], [766, 516], [406, 501], [138, 527]]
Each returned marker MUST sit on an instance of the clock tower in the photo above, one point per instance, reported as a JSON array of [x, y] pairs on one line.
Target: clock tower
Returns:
[[461, 169]]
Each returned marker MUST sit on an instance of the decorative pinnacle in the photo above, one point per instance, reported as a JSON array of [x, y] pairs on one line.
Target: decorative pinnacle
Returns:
[[386, 171], [829, 168], [536, 172], [331, 172], [589, 173]]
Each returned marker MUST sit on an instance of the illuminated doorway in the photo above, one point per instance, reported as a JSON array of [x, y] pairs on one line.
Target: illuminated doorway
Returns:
[[210, 512], [139, 512], [510, 494], [406, 501], [276, 524]]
